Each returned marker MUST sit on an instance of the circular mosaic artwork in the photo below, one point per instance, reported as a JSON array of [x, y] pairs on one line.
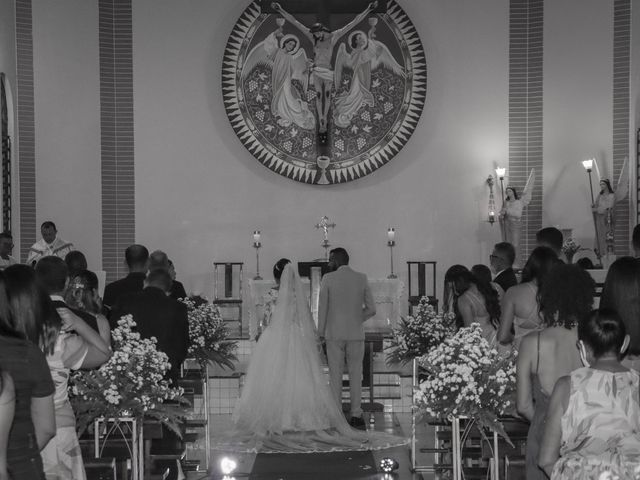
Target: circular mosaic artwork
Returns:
[[324, 106]]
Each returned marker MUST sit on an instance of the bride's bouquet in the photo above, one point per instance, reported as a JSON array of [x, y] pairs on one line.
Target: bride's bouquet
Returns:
[[130, 384], [208, 335], [417, 335], [466, 377]]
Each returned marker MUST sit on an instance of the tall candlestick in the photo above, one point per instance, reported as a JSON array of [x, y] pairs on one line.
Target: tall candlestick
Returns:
[[391, 242], [257, 245]]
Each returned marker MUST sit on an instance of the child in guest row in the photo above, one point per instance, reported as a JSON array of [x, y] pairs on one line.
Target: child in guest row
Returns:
[[593, 421]]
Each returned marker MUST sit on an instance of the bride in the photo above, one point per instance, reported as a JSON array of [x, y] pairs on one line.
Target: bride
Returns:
[[286, 404]]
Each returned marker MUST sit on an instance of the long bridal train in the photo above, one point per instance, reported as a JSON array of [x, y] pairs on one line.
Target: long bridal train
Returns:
[[286, 405]]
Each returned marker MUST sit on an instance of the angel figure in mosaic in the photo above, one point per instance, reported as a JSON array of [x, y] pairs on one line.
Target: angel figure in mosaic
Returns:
[[604, 208], [288, 62], [512, 210], [367, 54]]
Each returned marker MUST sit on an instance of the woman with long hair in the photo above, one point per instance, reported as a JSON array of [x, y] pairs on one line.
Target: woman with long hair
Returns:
[[75, 345], [521, 303], [7, 411], [477, 302], [34, 419], [566, 298], [449, 295], [83, 294], [621, 292]]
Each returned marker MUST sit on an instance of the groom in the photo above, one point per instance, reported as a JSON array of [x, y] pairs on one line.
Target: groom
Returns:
[[345, 303]]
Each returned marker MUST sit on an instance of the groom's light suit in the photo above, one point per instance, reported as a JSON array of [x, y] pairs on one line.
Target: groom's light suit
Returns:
[[345, 303]]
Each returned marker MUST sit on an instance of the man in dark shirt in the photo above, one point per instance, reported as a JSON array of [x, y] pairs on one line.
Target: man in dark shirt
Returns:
[[137, 258], [501, 260], [160, 316]]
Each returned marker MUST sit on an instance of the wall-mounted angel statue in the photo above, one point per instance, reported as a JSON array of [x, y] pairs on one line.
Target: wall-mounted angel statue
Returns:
[[367, 55], [512, 210], [288, 62], [604, 208]]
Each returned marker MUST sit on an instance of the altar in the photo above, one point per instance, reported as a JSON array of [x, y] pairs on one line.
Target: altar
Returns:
[[386, 294]]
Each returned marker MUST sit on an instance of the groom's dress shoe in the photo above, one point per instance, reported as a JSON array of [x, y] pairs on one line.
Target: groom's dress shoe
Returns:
[[357, 422]]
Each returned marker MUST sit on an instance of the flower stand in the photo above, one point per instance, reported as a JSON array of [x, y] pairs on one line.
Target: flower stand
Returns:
[[128, 429], [457, 441]]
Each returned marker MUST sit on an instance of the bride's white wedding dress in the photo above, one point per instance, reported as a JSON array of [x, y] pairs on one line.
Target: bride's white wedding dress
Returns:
[[286, 403]]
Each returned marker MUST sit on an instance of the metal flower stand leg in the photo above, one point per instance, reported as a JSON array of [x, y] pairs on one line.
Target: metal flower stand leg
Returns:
[[131, 431], [457, 442], [414, 384]]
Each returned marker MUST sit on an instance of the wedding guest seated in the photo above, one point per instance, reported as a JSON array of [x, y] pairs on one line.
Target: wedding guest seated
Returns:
[[82, 294], [137, 258], [52, 274], [450, 296], [7, 411], [177, 288], [158, 315], [593, 423], [501, 261], [483, 274], [621, 293], [635, 240], [477, 302], [585, 263], [71, 345], [158, 260], [34, 422], [49, 244], [521, 304], [76, 262], [6, 249], [566, 298], [550, 237]]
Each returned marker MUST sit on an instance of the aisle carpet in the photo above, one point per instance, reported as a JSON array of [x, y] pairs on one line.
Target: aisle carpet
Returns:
[[311, 466]]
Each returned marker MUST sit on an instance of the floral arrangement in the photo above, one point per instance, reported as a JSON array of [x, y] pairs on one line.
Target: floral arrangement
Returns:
[[208, 335], [570, 248], [465, 376], [131, 383], [417, 335]]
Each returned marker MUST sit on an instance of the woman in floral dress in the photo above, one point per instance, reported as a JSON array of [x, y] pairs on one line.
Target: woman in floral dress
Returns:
[[593, 422]]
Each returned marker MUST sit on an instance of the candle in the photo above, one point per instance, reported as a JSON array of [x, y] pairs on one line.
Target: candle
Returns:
[[500, 171], [256, 236], [391, 234]]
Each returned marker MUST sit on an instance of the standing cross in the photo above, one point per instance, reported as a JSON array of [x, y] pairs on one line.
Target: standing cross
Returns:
[[325, 226]]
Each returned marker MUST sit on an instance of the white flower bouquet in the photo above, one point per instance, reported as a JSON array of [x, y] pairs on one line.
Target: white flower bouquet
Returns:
[[208, 335], [417, 335], [466, 377], [130, 383]]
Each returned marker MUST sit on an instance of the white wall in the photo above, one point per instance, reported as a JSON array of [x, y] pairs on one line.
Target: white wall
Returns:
[[200, 194], [8, 67], [67, 122], [578, 111]]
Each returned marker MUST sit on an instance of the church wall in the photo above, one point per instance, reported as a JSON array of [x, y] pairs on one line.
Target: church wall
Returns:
[[67, 121], [8, 42], [200, 193], [578, 111], [8, 67]]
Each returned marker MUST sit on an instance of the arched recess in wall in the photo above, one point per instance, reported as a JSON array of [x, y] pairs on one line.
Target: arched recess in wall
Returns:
[[7, 134]]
